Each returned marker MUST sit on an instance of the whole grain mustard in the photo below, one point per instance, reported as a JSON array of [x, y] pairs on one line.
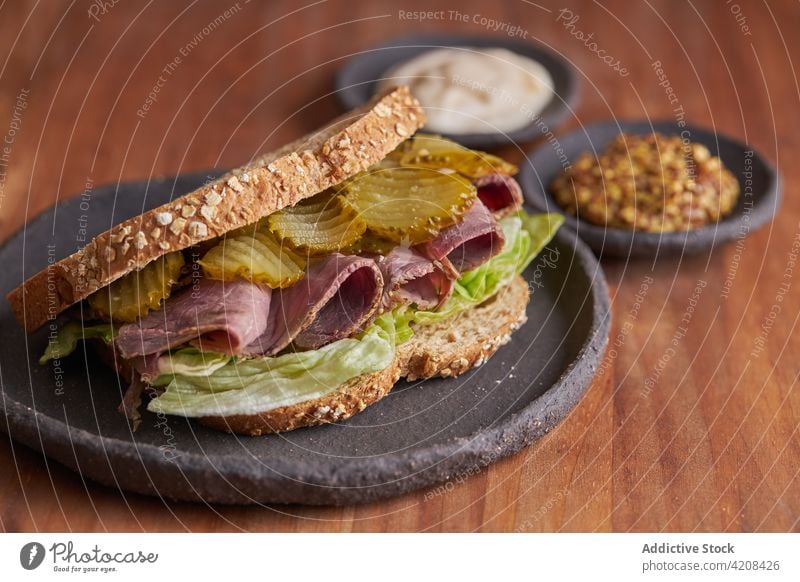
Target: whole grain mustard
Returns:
[[653, 183]]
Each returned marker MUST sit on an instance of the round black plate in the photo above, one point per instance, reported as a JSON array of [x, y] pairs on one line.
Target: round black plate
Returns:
[[757, 203], [357, 80], [420, 434]]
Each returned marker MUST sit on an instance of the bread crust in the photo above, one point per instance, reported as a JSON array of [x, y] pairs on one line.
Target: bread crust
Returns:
[[350, 398], [447, 349], [272, 181]]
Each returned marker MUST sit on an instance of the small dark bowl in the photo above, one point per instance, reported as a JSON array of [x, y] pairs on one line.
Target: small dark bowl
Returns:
[[757, 204], [357, 80]]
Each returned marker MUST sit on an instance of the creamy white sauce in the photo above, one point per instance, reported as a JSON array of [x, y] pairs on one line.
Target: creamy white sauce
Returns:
[[471, 90]]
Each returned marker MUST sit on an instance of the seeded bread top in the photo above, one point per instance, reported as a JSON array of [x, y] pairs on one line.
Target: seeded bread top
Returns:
[[269, 183]]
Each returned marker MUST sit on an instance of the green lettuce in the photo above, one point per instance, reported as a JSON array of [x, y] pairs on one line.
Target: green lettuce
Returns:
[[189, 362], [254, 385], [66, 340]]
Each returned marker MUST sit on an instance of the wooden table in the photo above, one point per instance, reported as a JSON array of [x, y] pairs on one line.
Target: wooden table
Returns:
[[712, 445]]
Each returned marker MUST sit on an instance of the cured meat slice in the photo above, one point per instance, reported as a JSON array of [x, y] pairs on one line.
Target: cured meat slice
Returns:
[[410, 277], [468, 244], [501, 194], [218, 316], [336, 298]]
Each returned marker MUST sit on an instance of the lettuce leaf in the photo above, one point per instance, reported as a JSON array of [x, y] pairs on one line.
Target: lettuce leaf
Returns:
[[66, 340], [254, 385], [189, 362]]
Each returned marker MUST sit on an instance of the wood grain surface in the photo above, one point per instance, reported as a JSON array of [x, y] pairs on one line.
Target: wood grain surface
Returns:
[[693, 426]]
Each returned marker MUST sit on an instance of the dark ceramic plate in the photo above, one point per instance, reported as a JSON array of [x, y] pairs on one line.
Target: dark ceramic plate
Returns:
[[757, 204], [357, 80], [420, 434]]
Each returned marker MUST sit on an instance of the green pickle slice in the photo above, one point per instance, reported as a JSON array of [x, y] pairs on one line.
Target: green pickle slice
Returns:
[[256, 255], [323, 224], [409, 205], [425, 143], [371, 243], [435, 152], [135, 294], [470, 163]]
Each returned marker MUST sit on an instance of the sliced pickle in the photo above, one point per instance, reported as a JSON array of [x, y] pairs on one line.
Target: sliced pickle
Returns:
[[409, 204], [421, 143], [470, 163], [323, 224], [371, 243], [135, 294], [247, 231], [425, 143], [253, 253], [433, 151]]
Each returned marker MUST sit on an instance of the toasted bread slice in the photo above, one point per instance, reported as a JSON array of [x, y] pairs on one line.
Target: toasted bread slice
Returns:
[[446, 349], [273, 181]]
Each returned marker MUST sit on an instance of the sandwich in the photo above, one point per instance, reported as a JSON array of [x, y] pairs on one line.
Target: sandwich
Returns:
[[298, 289]]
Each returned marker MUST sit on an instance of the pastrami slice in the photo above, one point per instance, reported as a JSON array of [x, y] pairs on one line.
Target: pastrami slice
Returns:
[[337, 298], [219, 316], [501, 194], [410, 277], [468, 244]]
